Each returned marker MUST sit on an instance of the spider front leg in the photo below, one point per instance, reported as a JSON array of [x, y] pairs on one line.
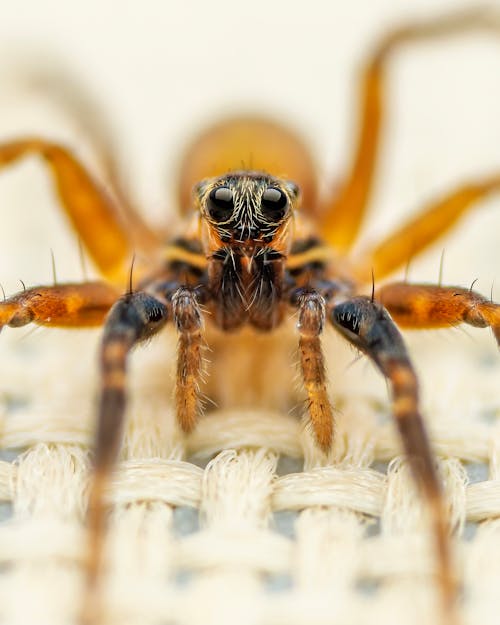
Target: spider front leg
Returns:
[[133, 319], [368, 326]]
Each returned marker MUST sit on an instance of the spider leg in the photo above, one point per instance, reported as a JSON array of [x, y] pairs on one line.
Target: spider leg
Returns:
[[134, 318], [311, 305], [368, 326], [188, 320], [428, 306], [92, 212], [79, 107], [344, 211], [61, 305], [421, 231]]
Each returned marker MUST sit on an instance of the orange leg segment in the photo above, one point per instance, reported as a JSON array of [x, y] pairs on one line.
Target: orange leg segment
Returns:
[[344, 211], [421, 231], [79, 107], [63, 305], [427, 306], [92, 213]]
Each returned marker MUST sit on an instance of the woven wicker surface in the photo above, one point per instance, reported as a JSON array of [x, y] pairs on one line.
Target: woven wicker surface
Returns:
[[254, 535], [243, 523]]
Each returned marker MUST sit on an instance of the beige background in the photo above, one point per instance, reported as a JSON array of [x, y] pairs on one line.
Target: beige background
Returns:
[[161, 70]]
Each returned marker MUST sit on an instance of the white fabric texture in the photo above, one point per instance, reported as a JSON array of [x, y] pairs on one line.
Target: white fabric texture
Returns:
[[233, 541]]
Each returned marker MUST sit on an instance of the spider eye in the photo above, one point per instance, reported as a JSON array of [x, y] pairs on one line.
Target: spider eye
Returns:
[[274, 204], [220, 204]]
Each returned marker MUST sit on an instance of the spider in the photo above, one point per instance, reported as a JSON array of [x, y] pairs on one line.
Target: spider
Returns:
[[257, 245]]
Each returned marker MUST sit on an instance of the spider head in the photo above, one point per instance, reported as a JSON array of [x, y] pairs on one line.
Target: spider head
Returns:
[[246, 209]]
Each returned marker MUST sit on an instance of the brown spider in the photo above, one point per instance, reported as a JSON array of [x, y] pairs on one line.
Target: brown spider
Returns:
[[257, 244]]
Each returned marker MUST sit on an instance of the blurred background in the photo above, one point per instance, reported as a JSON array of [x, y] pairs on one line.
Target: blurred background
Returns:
[[161, 70]]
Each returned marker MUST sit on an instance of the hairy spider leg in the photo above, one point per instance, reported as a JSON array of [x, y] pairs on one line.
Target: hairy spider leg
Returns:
[[311, 307], [188, 320], [427, 306], [422, 230], [368, 326], [91, 211], [133, 319], [343, 212]]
